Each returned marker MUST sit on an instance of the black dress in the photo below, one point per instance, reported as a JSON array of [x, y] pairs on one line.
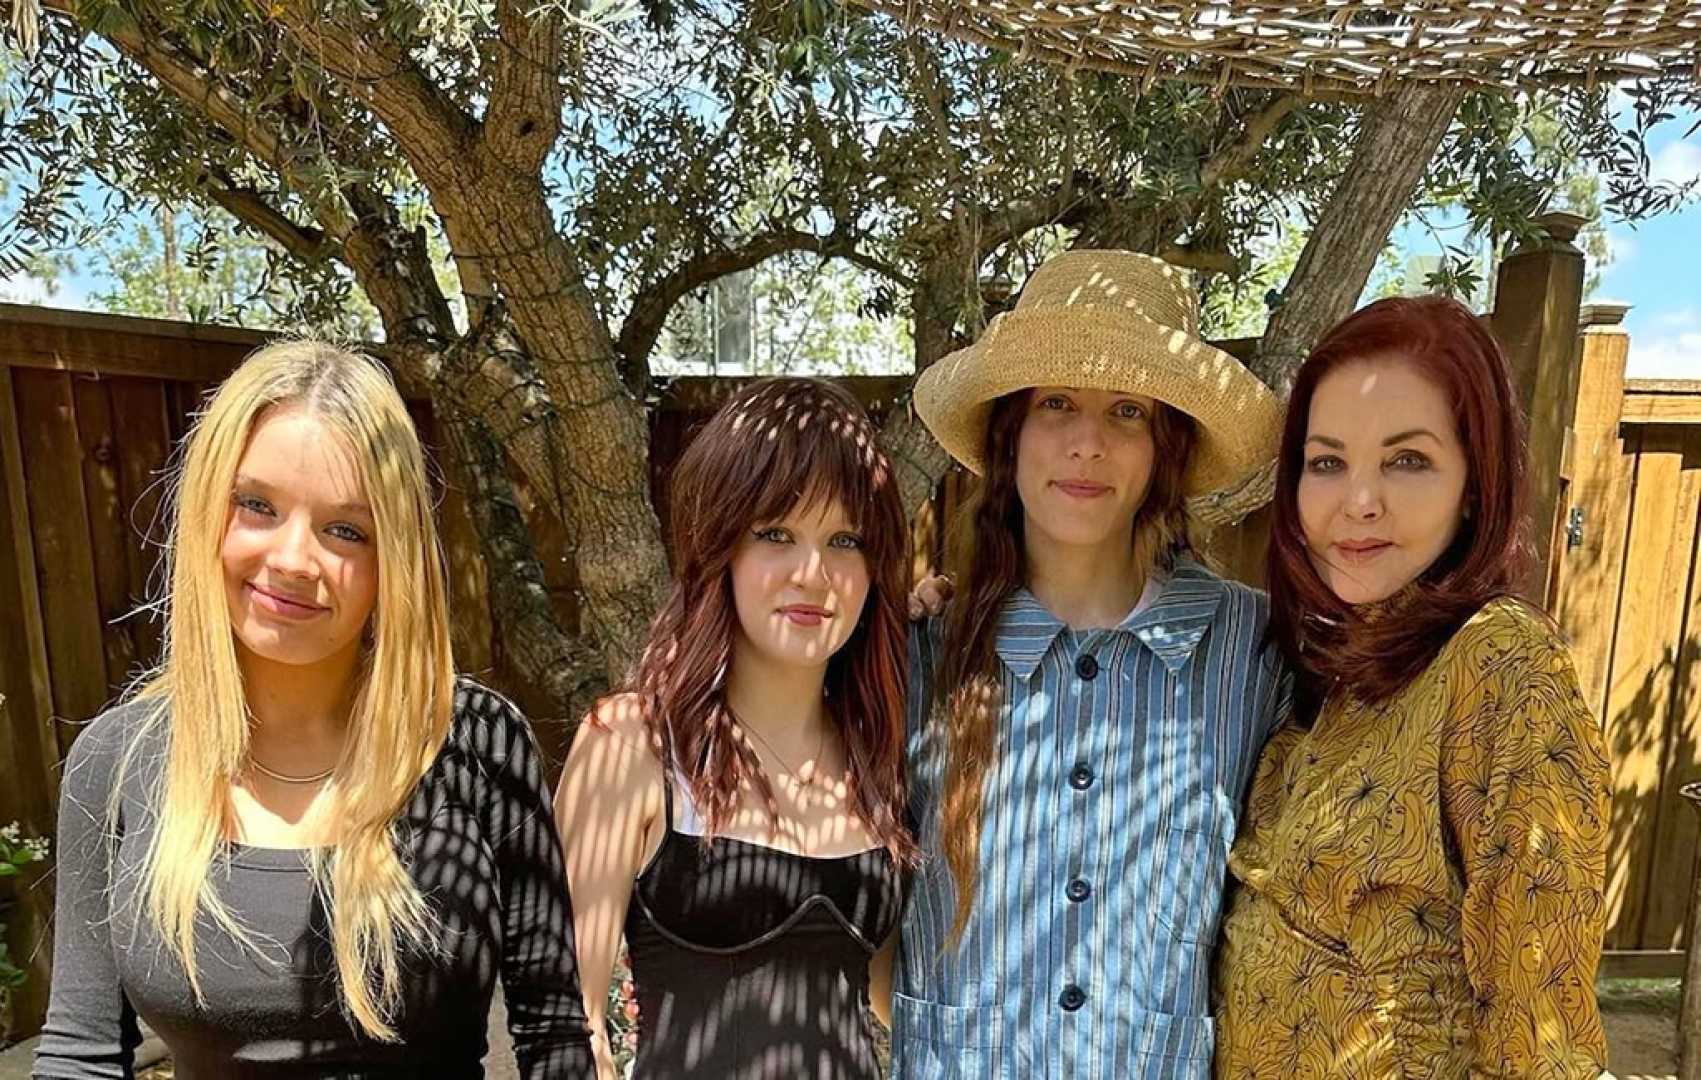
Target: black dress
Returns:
[[752, 963]]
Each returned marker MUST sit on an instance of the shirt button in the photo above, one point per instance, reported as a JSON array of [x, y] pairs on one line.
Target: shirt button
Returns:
[[1072, 998], [1081, 777], [1078, 890], [1087, 666]]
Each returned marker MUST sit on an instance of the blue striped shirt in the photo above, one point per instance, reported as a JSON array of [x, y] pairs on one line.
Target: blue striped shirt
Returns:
[[1121, 762]]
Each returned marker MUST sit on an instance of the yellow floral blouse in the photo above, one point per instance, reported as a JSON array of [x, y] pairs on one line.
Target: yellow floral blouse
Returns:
[[1419, 884]]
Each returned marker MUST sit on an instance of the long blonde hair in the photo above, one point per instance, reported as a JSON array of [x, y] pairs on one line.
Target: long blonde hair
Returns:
[[987, 560], [400, 715]]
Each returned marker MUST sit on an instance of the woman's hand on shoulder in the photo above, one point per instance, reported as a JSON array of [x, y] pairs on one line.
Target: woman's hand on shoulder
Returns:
[[930, 596]]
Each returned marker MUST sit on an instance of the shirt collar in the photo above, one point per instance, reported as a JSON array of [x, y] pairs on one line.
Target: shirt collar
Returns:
[[1171, 627]]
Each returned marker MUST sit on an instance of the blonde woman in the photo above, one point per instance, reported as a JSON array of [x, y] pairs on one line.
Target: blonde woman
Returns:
[[303, 848]]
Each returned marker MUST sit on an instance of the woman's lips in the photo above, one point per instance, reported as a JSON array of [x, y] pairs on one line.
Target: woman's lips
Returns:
[[1363, 551], [282, 606], [1081, 489], [805, 615]]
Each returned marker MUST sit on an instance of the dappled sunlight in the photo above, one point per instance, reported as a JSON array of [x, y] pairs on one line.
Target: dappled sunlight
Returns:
[[775, 927]]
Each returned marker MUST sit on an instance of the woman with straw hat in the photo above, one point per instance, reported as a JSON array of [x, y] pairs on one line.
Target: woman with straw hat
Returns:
[[1087, 715]]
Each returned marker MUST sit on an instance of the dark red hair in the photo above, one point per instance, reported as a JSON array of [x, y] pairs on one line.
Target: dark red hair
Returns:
[[776, 445], [1377, 651]]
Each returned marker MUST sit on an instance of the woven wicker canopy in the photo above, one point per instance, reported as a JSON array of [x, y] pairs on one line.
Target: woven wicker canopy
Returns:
[[1338, 46]]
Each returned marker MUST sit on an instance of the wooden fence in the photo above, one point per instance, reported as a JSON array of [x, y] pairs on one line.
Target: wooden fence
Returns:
[[1626, 588]]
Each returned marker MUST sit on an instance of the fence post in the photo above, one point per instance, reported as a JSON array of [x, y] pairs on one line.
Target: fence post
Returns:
[[1537, 298], [1589, 558], [1689, 1016]]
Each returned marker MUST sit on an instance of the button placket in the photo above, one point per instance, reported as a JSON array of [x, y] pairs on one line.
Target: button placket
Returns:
[[1086, 695]]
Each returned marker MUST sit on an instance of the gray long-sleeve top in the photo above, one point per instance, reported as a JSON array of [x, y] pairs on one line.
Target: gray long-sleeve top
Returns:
[[477, 837]]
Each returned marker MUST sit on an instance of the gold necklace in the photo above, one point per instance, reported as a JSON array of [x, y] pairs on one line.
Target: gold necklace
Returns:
[[794, 773], [283, 779]]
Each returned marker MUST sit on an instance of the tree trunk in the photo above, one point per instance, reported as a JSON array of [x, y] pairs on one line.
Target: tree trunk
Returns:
[[935, 307], [476, 382], [564, 668], [600, 454], [1398, 138], [485, 181]]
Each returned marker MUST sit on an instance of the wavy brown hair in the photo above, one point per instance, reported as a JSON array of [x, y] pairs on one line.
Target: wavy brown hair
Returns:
[[777, 445], [1324, 637], [987, 560]]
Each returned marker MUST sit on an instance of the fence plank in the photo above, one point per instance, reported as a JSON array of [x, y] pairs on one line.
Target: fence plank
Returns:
[[53, 470], [144, 446], [1676, 831], [29, 753], [96, 433], [1592, 574], [26, 741], [183, 401], [98, 345], [1660, 404], [1643, 670], [1537, 296]]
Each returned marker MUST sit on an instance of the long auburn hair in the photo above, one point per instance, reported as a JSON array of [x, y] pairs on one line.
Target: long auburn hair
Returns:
[[779, 444], [988, 562], [1376, 652], [401, 711]]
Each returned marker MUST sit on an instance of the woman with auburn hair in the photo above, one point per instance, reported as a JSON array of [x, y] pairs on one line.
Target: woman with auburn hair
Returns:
[[1086, 715], [1422, 862], [303, 848], [738, 811]]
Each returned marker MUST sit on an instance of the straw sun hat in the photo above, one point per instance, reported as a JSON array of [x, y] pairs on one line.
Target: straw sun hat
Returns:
[[1108, 320]]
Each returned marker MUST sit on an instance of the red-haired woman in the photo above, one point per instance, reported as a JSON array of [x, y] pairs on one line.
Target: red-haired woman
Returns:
[[739, 811], [1422, 861]]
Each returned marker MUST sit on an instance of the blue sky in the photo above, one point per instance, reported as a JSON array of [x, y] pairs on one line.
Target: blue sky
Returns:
[[1656, 268], [1655, 265]]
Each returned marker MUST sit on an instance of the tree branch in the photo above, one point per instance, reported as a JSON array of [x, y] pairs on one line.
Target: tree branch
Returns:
[[1228, 162], [434, 132], [253, 129], [1022, 216], [1394, 147], [523, 118], [649, 312], [1205, 260], [247, 205]]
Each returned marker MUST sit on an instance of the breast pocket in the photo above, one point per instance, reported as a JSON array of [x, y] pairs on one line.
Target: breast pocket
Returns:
[[931, 1041], [1191, 842], [1193, 866]]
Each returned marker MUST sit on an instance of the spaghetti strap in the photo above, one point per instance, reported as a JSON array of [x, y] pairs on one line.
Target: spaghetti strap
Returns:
[[667, 776]]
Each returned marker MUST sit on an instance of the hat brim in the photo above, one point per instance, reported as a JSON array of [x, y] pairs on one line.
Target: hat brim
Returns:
[[1238, 418]]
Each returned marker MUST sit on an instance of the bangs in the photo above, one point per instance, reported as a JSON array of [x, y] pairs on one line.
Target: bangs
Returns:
[[809, 445]]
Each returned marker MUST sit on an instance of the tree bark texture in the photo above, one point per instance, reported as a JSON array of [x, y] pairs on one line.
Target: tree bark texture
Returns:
[[476, 381], [568, 671], [1398, 138], [487, 188]]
